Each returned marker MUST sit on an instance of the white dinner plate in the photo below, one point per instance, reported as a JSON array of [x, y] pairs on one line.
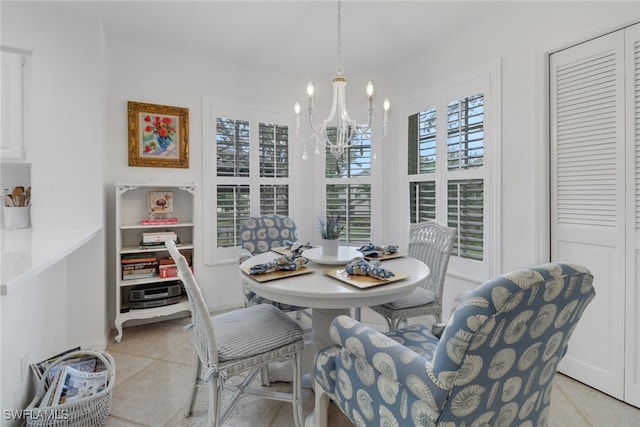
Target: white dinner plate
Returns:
[[345, 254]]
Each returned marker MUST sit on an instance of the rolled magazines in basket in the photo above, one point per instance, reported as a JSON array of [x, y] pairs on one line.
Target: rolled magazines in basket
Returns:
[[74, 390]]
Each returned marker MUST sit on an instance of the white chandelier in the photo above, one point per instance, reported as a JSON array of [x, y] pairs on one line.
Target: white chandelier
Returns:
[[348, 132]]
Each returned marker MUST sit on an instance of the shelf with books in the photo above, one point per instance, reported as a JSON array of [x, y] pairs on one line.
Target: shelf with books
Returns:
[[146, 215]]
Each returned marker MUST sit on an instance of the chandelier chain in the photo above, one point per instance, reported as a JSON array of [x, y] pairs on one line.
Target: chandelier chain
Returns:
[[339, 68]]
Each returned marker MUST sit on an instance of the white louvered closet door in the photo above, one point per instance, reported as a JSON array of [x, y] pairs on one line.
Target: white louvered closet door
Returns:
[[588, 199], [595, 202], [632, 338]]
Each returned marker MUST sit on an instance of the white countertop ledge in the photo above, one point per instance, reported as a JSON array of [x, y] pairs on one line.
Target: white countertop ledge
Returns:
[[29, 251]]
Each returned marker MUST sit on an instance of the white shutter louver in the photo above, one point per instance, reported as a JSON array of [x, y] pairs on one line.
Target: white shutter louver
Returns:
[[274, 199], [352, 202], [232, 147], [274, 151], [233, 210], [586, 141]]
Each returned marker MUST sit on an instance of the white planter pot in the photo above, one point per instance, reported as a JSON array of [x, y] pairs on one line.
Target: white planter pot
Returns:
[[329, 247]]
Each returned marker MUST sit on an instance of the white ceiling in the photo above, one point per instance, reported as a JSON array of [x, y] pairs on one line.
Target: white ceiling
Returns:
[[299, 37]]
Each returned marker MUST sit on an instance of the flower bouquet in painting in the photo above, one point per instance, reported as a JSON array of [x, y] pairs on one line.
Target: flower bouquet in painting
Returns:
[[159, 135]]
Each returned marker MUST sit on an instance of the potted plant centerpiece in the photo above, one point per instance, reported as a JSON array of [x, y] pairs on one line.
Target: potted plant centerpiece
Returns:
[[330, 230]]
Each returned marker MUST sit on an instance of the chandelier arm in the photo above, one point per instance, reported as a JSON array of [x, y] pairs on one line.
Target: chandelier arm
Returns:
[[334, 103], [318, 129], [381, 137], [301, 138]]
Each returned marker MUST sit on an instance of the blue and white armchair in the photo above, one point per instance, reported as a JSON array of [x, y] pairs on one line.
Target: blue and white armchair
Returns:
[[493, 365]]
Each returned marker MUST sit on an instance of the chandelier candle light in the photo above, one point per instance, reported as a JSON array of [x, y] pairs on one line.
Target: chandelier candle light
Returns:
[[348, 132]]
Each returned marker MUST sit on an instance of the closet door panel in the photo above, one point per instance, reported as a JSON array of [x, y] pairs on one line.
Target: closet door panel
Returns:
[[588, 199], [632, 337]]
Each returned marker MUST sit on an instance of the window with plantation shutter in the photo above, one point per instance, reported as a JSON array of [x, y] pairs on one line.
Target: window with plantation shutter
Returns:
[[465, 132], [352, 203], [422, 201], [447, 165], [422, 142], [348, 189], [251, 175], [232, 147], [233, 209], [274, 199], [274, 151], [466, 213]]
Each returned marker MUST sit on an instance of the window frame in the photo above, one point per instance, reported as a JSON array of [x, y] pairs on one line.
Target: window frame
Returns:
[[373, 179], [212, 110], [487, 83]]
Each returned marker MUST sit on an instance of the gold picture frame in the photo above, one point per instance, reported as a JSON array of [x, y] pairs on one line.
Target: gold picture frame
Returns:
[[158, 135]]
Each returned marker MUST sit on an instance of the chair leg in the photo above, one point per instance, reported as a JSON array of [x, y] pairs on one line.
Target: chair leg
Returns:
[[320, 415], [264, 376], [296, 392], [358, 314], [298, 315], [391, 323], [215, 402], [191, 398]]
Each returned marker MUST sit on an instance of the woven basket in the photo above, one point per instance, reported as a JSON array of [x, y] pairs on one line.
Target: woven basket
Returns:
[[86, 411]]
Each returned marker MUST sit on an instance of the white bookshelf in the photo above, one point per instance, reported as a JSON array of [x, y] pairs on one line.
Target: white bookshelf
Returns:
[[132, 206]]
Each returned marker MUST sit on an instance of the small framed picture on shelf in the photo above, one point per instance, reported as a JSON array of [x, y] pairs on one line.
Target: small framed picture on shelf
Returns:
[[160, 202]]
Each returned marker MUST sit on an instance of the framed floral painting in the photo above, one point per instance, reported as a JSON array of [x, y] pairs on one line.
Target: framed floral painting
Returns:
[[158, 135]]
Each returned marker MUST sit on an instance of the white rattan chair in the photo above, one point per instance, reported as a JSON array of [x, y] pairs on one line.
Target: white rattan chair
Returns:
[[432, 244], [241, 341]]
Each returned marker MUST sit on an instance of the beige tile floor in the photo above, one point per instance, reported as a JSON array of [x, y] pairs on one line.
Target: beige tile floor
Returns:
[[153, 367]]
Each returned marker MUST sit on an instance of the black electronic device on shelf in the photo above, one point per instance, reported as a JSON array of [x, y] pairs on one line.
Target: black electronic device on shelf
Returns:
[[155, 294]]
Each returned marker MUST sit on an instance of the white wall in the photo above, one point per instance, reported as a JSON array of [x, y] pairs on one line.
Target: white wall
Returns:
[[135, 74], [68, 117], [66, 152], [516, 36], [27, 331]]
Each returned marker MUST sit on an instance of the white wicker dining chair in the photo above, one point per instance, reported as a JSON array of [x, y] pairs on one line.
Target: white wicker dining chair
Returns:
[[238, 342], [431, 243]]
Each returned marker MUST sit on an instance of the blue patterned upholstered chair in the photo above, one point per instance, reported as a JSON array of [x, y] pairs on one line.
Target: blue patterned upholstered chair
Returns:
[[240, 342], [493, 365], [431, 243], [259, 235]]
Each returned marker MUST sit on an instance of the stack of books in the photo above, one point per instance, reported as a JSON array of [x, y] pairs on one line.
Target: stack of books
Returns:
[[167, 267], [139, 266], [157, 239], [156, 221]]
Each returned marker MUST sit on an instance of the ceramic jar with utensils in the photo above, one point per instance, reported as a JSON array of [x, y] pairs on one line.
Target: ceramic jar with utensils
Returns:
[[17, 208], [19, 197]]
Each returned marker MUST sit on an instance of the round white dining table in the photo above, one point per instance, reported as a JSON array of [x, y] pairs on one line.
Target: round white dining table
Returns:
[[329, 297]]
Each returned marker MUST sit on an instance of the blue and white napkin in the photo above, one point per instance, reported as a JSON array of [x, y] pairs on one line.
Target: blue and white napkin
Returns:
[[359, 265], [296, 247], [371, 250], [284, 262]]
